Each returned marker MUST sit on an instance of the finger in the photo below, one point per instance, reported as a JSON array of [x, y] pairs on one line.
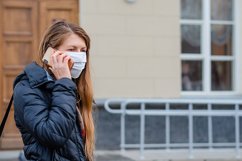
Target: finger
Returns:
[[68, 61], [51, 69], [60, 58], [56, 58], [71, 63], [66, 58], [53, 58]]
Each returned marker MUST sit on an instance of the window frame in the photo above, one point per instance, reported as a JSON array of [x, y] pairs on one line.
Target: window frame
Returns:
[[205, 55]]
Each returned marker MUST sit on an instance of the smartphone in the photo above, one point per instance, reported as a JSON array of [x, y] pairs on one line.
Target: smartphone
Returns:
[[46, 58]]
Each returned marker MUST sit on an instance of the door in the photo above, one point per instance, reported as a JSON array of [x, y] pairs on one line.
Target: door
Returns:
[[22, 24], [51, 10]]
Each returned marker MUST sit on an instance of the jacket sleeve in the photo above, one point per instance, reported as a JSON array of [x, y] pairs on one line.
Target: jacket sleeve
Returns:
[[53, 125]]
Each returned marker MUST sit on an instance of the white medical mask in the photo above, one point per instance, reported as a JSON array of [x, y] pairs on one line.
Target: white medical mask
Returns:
[[79, 59]]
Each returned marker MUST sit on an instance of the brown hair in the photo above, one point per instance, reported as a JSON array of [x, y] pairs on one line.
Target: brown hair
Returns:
[[54, 37]]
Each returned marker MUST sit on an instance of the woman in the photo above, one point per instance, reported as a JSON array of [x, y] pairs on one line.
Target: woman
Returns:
[[53, 103]]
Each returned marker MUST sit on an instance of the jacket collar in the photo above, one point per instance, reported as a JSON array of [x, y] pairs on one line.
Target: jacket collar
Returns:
[[36, 75]]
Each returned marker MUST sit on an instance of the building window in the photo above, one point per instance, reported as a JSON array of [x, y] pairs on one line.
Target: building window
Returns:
[[208, 45]]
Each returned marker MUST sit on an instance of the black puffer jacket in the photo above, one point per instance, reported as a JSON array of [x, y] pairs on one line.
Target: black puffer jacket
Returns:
[[45, 113]]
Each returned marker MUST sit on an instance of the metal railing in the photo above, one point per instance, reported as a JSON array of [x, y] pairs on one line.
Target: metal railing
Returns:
[[209, 112]]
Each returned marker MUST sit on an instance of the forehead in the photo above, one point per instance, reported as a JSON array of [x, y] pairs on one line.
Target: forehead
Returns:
[[74, 40]]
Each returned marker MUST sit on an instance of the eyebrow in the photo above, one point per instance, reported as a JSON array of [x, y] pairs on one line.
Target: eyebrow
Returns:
[[76, 46]]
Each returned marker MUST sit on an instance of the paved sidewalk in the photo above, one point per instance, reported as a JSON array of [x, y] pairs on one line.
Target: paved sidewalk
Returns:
[[169, 155], [103, 156], [150, 155], [98, 158]]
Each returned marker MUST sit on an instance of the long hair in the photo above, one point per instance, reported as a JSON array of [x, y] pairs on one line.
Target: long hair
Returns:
[[54, 37]]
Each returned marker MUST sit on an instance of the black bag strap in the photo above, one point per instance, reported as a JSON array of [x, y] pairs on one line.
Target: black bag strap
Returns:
[[6, 116]]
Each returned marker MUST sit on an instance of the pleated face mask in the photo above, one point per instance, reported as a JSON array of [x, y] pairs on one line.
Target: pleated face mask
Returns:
[[79, 59]]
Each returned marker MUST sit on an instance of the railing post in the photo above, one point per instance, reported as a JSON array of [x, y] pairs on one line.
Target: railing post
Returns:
[[122, 126], [237, 130], [210, 128], [167, 127], [142, 131], [190, 129]]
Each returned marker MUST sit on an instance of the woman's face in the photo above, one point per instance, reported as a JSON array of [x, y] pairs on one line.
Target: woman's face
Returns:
[[73, 43]]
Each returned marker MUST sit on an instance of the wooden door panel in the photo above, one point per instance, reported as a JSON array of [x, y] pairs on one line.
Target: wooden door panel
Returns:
[[8, 79], [58, 14], [18, 53], [11, 132], [19, 43], [11, 137], [16, 20], [57, 9], [19, 32]]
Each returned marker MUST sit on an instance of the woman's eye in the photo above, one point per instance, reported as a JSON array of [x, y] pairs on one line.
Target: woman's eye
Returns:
[[70, 49]]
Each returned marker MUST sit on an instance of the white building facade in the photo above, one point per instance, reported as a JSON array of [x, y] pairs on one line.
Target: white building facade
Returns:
[[135, 47], [164, 49]]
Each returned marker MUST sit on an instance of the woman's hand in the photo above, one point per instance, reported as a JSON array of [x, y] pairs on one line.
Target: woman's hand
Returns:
[[59, 65]]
